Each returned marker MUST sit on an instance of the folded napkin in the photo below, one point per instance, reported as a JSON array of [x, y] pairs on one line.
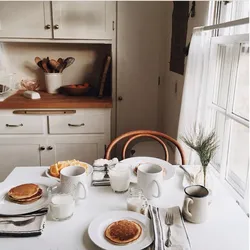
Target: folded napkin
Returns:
[[179, 237], [99, 171], [23, 225]]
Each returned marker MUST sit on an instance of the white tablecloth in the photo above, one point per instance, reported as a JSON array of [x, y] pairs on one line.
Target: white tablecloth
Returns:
[[226, 228]]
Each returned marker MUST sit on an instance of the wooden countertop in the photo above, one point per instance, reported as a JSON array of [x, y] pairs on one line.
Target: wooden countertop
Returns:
[[18, 101]]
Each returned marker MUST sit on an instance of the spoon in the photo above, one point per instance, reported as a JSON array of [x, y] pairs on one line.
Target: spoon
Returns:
[[190, 176], [45, 66], [55, 65], [38, 61]]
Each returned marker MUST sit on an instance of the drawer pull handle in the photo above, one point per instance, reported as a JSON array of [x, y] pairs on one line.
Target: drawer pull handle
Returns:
[[76, 125], [14, 125]]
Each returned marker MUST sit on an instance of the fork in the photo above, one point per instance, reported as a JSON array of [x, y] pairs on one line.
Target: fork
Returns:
[[18, 223], [106, 176], [169, 221]]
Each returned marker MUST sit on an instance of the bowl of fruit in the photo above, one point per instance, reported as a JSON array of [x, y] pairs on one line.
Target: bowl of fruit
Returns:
[[76, 89]]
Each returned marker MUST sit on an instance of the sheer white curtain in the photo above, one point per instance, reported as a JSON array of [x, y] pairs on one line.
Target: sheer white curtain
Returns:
[[194, 98]]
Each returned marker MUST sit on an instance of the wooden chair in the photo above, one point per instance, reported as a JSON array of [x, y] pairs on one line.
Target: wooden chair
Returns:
[[145, 133]]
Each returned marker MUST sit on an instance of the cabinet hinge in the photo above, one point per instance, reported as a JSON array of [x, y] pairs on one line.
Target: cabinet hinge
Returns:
[[113, 25], [159, 80]]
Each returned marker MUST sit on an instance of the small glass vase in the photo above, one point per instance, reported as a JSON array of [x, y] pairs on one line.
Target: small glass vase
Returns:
[[209, 180]]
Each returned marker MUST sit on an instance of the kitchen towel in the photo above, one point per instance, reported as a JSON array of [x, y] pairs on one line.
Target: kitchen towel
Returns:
[[179, 236], [23, 225]]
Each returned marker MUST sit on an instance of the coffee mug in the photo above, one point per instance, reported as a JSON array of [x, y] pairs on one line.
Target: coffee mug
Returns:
[[73, 181], [150, 180], [195, 207]]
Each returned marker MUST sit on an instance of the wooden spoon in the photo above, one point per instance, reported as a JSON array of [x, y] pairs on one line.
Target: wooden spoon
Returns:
[[45, 66], [55, 65], [37, 59], [39, 62], [60, 60]]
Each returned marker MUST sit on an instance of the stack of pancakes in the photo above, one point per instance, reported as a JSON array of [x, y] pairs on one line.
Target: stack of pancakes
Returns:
[[25, 193], [123, 232]]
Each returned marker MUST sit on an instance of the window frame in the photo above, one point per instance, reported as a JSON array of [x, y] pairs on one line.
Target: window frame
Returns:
[[242, 198]]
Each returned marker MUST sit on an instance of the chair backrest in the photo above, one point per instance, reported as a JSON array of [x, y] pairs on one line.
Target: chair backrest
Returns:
[[145, 133]]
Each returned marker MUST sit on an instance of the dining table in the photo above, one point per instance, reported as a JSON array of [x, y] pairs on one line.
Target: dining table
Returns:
[[225, 229]]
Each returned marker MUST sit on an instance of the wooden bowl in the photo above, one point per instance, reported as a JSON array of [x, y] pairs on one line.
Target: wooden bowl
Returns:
[[75, 91]]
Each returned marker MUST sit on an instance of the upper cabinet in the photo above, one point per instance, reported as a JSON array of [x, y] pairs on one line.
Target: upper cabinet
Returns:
[[58, 20], [83, 20], [25, 19]]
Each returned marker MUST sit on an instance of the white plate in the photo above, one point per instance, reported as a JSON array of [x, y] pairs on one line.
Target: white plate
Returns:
[[98, 226], [135, 161], [89, 172], [11, 208]]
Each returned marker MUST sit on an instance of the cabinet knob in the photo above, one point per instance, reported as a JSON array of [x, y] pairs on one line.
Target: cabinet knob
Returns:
[[42, 148], [120, 98], [56, 27], [49, 148], [47, 27]]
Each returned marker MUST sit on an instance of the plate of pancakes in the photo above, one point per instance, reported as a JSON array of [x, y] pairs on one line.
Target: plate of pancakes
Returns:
[[54, 170], [134, 162], [23, 198], [121, 230]]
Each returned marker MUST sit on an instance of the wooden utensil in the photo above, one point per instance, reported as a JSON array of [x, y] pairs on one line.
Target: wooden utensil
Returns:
[[38, 61], [60, 60], [55, 65], [45, 66]]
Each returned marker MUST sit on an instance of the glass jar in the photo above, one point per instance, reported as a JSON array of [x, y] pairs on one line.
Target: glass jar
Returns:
[[120, 177], [61, 205], [136, 201]]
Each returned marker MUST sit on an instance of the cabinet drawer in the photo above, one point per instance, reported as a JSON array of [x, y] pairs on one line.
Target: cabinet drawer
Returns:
[[77, 124], [21, 124]]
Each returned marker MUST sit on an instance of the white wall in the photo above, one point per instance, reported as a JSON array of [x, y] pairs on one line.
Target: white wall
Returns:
[[171, 101]]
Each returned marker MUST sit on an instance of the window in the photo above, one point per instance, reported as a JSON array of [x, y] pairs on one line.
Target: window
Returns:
[[228, 103], [225, 11]]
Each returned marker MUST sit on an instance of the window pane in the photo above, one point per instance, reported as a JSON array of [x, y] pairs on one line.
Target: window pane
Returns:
[[241, 99], [219, 129], [238, 155], [223, 75]]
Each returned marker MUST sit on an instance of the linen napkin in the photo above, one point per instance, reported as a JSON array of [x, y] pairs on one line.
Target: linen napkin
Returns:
[[179, 236], [99, 171], [23, 225]]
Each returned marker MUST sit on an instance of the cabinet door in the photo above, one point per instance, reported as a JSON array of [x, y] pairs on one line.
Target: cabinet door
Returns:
[[25, 19], [83, 19], [22, 151], [85, 148]]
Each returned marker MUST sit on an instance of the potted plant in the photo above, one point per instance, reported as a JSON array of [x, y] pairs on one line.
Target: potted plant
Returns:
[[205, 145]]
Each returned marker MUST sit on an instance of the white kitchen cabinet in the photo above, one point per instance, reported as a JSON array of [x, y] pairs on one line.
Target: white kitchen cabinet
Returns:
[[85, 148], [58, 19], [83, 19], [25, 19], [42, 148], [19, 151]]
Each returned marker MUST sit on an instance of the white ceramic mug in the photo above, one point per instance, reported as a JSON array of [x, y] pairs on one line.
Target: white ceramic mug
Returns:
[[74, 181], [195, 207], [150, 180]]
